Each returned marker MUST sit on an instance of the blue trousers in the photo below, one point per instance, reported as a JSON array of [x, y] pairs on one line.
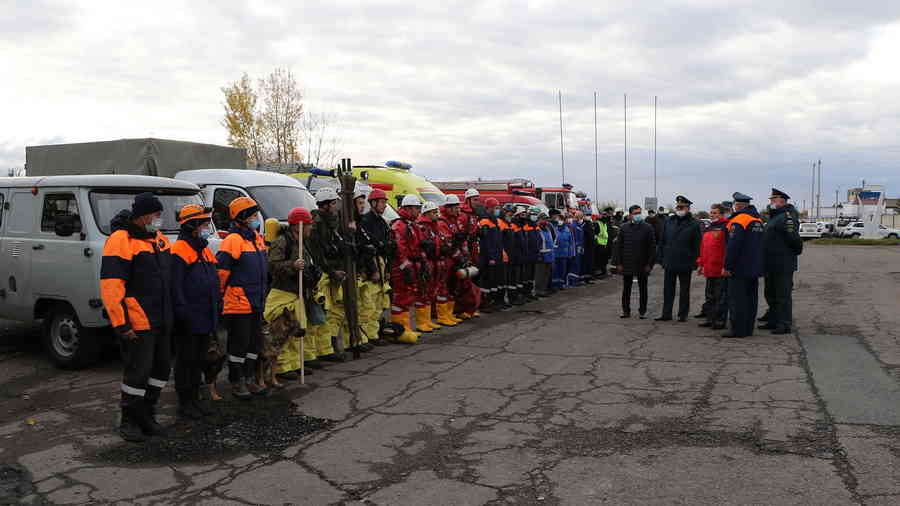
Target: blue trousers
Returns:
[[560, 272]]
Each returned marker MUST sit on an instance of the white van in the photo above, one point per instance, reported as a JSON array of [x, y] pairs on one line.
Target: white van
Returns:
[[275, 193], [52, 232]]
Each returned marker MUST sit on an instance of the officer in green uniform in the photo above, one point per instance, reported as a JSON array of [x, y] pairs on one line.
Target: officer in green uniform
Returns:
[[781, 247]]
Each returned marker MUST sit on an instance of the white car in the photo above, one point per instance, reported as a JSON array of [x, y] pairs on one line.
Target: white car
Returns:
[[855, 230], [810, 231]]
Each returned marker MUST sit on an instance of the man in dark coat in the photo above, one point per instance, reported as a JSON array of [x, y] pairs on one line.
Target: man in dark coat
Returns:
[[634, 256], [743, 266], [781, 246], [679, 248], [656, 221]]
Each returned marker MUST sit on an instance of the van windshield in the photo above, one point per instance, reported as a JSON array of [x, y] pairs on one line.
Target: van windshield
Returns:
[[106, 205], [277, 201], [437, 198]]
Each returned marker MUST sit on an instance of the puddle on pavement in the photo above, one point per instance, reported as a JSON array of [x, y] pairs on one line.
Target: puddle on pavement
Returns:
[[261, 426]]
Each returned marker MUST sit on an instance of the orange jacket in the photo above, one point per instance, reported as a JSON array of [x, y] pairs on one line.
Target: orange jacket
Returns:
[[135, 277], [243, 271]]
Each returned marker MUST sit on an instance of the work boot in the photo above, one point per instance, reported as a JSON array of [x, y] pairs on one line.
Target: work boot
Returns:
[[156, 428], [444, 316], [707, 323], [239, 390], [701, 314], [718, 326], [201, 405], [288, 376], [408, 336], [423, 319], [129, 430], [452, 311], [259, 391], [378, 342], [763, 318], [781, 331], [313, 364], [336, 357], [767, 326], [187, 407]]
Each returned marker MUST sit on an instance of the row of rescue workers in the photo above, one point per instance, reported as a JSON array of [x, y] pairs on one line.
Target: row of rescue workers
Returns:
[[432, 266]]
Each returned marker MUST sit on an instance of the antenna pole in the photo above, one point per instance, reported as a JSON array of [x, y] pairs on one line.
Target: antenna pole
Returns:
[[596, 156], [625, 102], [654, 147], [562, 160]]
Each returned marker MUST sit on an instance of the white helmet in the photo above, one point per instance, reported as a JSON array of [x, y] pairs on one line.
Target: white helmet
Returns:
[[358, 193], [429, 206], [471, 192], [410, 200], [326, 194], [451, 200]]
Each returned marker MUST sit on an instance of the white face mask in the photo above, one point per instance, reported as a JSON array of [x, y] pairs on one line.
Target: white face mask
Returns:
[[680, 214], [154, 225]]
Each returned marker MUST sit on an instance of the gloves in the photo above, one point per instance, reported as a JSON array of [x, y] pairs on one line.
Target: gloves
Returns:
[[408, 276]]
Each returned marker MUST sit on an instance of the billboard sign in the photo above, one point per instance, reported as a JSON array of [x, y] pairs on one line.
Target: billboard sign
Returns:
[[650, 203]]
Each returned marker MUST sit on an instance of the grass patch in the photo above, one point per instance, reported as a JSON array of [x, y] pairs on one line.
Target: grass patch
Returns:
[[855, 242]]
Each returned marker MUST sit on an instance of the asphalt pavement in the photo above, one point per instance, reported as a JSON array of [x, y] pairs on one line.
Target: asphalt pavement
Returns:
[[555, 402]]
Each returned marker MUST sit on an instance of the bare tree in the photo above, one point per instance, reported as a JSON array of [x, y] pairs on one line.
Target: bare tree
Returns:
[[321, 144], [283, 112], [15, 172]]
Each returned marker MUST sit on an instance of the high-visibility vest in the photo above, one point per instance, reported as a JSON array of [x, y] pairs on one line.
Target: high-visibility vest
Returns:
[[603, 235]]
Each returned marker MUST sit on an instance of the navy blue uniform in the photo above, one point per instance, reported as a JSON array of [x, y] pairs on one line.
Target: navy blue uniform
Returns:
[[781, 247], [744, 259]]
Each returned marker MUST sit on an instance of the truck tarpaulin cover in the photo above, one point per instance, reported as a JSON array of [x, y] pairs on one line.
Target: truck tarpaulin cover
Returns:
[[144, 157]]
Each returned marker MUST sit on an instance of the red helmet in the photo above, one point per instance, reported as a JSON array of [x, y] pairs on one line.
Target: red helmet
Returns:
[[300, 215], [491, 202], [377, 193]]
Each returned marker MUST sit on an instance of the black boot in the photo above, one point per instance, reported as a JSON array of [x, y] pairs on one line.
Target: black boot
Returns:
[[156, 428], [202, 405], [129, 429], [187, 405]]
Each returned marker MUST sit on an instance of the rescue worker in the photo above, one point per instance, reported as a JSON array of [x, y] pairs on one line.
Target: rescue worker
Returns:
[[710, 264], [285, 309], [516, 250], [634, 257], [543, 270], [135, 284], [507, 277], [533, 242], [602, 252], [197, 303], [404, 270], [781, 247], [366, 273], [469, 218], [328, 250], [656, 221], [743, 266], [679, 248], [454, 254], [574, 274], [589, 230], [376, 232], [243, 280], [431, 268], [490, 267], [563, 251]]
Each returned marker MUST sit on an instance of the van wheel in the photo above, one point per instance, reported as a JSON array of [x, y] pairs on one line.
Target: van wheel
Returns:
[[855, 236], [892, 236], [70, 345]]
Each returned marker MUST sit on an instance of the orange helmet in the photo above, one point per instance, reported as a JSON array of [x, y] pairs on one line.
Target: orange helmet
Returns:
[[193, 212], [242, 207], [300, 215]]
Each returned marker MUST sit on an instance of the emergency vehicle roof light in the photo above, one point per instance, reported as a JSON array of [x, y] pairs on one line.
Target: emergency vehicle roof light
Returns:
[[567, 186], [398, 165], [322, 172]]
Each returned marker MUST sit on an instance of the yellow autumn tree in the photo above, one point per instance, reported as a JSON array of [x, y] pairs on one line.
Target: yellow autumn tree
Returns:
[[281, 116], [243, 122]]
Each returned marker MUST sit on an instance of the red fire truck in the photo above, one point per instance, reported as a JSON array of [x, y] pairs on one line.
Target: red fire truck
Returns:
[[516, 191]]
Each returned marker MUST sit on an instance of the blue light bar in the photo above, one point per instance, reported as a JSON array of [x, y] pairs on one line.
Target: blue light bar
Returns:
[[397, 165]]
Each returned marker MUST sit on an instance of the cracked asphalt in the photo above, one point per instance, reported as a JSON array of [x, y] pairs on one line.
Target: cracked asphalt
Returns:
[[559, 402]]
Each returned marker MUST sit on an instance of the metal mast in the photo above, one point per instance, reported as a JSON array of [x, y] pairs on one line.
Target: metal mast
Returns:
[[562, 160]]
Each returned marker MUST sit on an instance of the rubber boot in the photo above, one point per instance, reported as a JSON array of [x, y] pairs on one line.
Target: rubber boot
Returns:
[[155, 428], [201, 405], [239, 390], [444, 315], [423, 319], [187, 407], [408, 336], [451, 312], [129, 429], [432, 316]]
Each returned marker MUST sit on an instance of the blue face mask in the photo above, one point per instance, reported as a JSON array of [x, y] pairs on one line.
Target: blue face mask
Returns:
[[637, 218], [496, 213], [254, 224], [533, 219], [205, 233]]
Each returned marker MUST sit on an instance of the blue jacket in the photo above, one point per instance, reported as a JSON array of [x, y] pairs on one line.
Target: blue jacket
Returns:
[[579, 238], [533, 243], [565, 242], [196, 296], [744, 253], [243, 271], [547, 245], [490, 241]]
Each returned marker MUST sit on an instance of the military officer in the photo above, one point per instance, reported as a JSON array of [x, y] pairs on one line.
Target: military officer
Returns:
[[781, 247], [743, 265], [679, 248]]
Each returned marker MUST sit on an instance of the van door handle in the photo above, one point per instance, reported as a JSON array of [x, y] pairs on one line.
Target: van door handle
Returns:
[[38, 246]]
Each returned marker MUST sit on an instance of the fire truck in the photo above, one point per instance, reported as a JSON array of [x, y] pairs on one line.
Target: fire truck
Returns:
[[516, 191]]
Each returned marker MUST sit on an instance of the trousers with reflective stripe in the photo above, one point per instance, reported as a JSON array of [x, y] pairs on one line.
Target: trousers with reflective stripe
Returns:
[[146, 364]]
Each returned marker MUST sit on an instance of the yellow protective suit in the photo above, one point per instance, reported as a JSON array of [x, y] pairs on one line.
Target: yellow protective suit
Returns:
[[289, 359]]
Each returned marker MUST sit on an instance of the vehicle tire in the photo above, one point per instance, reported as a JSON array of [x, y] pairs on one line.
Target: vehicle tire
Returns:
[[893, 236], [70, 345], [855, 236]]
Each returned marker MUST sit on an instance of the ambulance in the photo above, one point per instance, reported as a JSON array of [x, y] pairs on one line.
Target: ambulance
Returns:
[[397, 180]]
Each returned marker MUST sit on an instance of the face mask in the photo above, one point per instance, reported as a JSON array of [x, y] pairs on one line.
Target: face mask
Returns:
[[496, 213], [205, 233], [534, 219], [254, 224], [559, 222], [681, 214], [154, 225], [637, 218]]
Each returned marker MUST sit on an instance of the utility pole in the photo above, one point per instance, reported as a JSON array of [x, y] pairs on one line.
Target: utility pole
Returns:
[[654, 149], [596, 156], [562, 159], [819, 194], [812, 193], [625, 204]]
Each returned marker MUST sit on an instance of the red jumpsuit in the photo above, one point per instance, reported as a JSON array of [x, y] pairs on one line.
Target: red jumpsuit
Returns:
[[430, 244], [449, 256], [405, 267], [468, 222]]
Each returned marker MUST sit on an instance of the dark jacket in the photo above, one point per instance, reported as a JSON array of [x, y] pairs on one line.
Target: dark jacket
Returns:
[[243, 271], [781, 241], [656, 221], [679, 246], [135, 277], [743, 257], [378, 233], [635, 248], [195, 285]]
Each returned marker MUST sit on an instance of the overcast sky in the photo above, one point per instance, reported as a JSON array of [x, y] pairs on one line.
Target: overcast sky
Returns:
[[750, 92]]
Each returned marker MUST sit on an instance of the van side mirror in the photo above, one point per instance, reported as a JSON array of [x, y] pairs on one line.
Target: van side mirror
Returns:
[[64, 226]]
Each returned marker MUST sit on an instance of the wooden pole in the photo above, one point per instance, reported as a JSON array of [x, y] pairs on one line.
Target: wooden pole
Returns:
[[300, 285]]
